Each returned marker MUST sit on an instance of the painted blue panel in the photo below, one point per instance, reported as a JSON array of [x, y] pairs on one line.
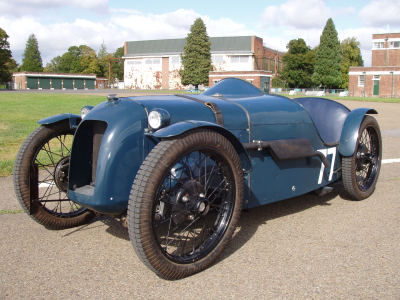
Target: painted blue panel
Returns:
[[182, 109], [233, 86], [348, 139], [121, 154], [73, 119]]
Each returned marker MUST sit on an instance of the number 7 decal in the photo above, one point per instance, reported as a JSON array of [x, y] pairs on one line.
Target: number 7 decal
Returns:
[[326, 152]]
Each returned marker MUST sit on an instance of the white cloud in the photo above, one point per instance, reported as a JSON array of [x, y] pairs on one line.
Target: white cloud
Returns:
[[55, 39], [381, 13], [38, 7], [304, 14]]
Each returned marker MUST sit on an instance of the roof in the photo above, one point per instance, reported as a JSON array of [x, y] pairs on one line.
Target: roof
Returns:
[[51, 74], [230, 44]]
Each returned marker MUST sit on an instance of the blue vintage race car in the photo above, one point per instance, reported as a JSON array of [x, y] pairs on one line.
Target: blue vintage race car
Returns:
[[178, 170]]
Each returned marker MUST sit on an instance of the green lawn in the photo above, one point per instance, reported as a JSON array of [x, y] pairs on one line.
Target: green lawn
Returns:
[[19, 113]]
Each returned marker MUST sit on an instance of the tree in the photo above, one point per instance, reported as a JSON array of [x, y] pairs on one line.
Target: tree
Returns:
[[196, 56], [31, 59], [103, 57], [298, 64], [5, 57], [351, 57], [89, 61], [327, 58], [118, 66], [53, 65]]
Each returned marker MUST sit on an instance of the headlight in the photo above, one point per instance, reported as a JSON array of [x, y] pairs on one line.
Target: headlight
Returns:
[[158, 118], [85, 110]]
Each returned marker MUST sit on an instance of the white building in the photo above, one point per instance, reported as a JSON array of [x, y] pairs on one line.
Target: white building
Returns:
[[155, 64]]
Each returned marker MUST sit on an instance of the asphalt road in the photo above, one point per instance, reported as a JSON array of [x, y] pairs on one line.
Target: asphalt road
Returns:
[[306, 247]]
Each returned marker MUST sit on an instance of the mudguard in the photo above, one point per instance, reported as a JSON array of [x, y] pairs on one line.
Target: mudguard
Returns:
[[181, 127], [74, 120], [351, 126]]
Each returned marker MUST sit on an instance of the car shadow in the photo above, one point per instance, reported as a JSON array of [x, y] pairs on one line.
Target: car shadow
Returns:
[[250, 220]]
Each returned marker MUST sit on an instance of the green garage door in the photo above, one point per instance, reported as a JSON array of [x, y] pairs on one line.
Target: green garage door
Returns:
[[56, 83], [32, 83], [68, 83], [44, 83], [90, 84], [79, 84], [376, 87]]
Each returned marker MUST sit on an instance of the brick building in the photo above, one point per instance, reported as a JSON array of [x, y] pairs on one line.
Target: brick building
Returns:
[[47, 80], [155, 64], [382, 79]]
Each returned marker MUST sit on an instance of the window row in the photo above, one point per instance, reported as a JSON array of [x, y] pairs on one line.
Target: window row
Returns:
[[361, 79], [147, 61], [216, 59], [381, 45]]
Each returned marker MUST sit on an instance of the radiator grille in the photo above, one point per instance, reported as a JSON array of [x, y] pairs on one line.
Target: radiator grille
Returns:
[[98, 132]]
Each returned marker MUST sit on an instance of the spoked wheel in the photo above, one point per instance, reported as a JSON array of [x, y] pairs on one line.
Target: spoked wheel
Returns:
[[185, 203], [361, 171], [41, 178]]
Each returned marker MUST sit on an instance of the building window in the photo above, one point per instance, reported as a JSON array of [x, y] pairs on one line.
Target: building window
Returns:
[[377, 77], [217, 59], [176, 60], [378, 45], [361, 80], [134, 62], [152, 61], [394, 44], [239, 59]]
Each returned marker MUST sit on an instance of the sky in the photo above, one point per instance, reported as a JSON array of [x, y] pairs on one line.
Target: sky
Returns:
[[59, 24]]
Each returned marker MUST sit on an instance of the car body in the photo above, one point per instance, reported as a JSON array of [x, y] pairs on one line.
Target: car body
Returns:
[[282, 148]]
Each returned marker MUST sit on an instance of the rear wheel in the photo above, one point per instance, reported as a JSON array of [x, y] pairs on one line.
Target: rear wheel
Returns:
[[41, 178], [361, 171], [185, 203]]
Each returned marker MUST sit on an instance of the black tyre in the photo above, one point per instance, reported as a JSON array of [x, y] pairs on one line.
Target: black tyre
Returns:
[[41, 178], [185, 203], [361, 171]]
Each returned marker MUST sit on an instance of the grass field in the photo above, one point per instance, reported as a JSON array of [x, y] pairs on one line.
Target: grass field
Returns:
[[19, 113]]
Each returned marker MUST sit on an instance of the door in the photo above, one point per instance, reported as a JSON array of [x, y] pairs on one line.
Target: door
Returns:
[[68, 83], [89, 84], [376, 87], [56, 83], [44, 83], [32, 83], [79, 83], [165, 73]]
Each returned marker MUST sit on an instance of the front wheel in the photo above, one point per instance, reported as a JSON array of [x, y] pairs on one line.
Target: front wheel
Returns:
[[185, 203], [41, 178], [361, 171]]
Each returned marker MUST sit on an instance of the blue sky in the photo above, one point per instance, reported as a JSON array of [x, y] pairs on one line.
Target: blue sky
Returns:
[[60, 24]]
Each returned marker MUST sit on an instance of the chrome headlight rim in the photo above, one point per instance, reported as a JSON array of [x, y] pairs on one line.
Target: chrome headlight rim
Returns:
[[85, 110], [158, 118]]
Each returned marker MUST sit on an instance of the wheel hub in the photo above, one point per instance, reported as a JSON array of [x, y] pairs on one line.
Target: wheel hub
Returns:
[[61, 174], [364, 158], [190, 202]]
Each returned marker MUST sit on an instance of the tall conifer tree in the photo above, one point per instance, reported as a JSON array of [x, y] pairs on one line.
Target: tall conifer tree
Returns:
[[31, 59], [196, 56], [327, 58], [5, 57]]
